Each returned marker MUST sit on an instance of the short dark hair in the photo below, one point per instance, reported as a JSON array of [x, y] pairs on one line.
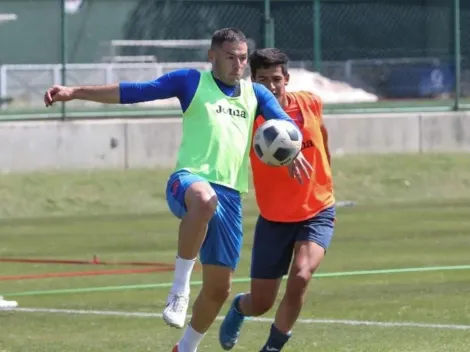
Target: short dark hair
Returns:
[[266, 58], [227, 35]]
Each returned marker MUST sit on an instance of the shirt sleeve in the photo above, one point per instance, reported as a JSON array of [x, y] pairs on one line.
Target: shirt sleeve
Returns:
[[179, 84], [268, 106]]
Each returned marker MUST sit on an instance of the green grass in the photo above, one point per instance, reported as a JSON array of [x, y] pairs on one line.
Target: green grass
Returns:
[[412, 212]]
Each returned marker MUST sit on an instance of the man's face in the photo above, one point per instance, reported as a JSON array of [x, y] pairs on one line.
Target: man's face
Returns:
[[274, 79], [229, 61]]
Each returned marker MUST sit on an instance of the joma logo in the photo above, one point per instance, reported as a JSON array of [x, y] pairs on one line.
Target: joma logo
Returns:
[[231, 111], [307, 144]]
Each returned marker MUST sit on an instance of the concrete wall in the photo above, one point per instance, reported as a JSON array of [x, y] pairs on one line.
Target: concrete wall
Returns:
[[136, 143], [400, 133]]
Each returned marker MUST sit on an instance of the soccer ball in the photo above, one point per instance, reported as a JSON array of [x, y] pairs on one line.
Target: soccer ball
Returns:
[[277, 142]]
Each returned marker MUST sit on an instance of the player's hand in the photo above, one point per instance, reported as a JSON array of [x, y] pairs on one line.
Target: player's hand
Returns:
[[57, 93], [300, 168]]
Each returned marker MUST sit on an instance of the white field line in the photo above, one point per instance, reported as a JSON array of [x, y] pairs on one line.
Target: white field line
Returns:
[[260, 319]]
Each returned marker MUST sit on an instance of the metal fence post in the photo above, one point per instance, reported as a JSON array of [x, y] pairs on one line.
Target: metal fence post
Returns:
[[63, 51], [317, 56], [457, 56], [268, 25]]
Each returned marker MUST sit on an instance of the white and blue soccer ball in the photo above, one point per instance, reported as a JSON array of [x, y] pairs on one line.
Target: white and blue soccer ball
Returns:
[[277, 142]]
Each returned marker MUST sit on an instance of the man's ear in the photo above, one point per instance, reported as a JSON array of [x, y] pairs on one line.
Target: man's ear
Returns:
[[211, 55], [287, 78]]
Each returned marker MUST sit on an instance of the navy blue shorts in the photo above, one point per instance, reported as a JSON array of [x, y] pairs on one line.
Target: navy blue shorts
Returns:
[[274, 242], [224, 236]]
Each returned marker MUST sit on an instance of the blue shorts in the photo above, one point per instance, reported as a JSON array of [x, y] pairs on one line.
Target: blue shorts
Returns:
[[274, 242], [224, 237]]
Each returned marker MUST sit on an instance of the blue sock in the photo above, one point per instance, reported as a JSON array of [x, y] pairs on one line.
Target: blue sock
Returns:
[[276, 341]]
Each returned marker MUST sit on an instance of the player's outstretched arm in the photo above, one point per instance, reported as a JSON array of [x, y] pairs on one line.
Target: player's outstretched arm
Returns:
[[108, 94], [173, 84]]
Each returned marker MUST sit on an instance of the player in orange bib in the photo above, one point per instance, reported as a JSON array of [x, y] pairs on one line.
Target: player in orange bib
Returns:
[[296, 220]]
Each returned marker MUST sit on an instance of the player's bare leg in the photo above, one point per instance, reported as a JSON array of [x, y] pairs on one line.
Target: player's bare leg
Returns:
[[214, 292], [261, 297], [307, 258], [258, 301], [201, 203]]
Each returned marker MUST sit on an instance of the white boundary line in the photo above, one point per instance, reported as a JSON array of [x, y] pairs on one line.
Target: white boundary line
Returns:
[[264, 320]]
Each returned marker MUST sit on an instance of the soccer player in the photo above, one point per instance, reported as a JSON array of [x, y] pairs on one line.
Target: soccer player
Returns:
[[296, 220], [211, 172]]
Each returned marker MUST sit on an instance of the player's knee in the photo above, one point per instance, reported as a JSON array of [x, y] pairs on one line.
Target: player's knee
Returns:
[[298, 283], [203, 203], [207, 205], [302, 271], [261, 305]]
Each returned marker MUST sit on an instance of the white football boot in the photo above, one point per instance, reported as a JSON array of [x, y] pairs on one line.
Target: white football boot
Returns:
[[175, 310]]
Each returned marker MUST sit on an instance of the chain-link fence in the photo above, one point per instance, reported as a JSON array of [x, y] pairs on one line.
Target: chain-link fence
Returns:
[[354, 53]]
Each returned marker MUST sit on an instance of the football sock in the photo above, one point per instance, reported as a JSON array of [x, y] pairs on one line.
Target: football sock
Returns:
[[182, 276], [276, 340]]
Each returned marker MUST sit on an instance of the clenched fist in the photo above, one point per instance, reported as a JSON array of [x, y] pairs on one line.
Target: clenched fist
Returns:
[[57, 93]]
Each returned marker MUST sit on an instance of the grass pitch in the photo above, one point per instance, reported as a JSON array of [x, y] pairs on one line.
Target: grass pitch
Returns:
[[412, 212]]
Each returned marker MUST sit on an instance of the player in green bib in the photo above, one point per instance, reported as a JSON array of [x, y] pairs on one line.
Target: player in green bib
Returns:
[[216, 138], [211, 172]]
